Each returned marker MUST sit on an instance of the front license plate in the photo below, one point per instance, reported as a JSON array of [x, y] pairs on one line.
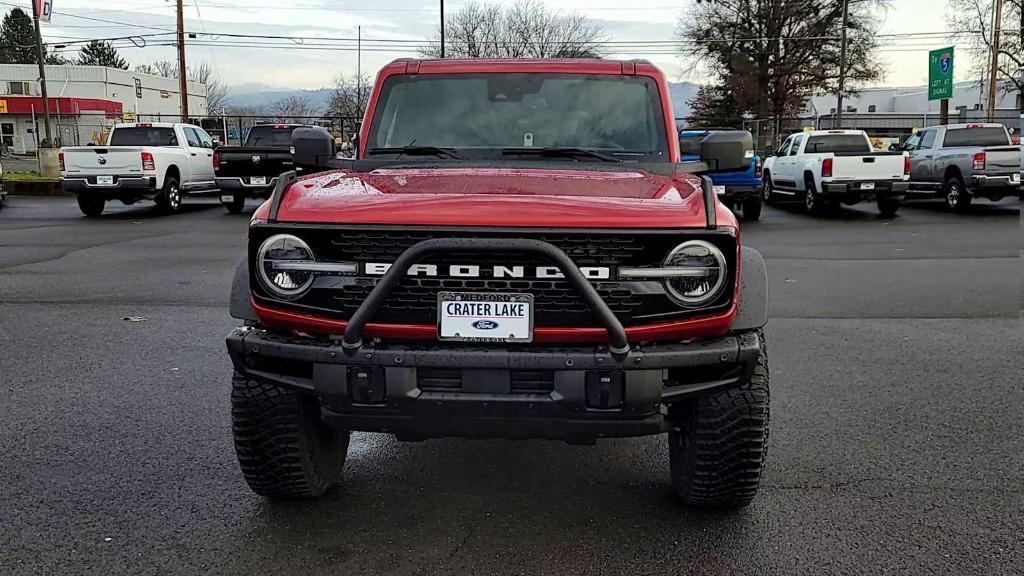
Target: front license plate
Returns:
[[485, 317], [258, 180], [104, 180], [867, 186], [719, 190]]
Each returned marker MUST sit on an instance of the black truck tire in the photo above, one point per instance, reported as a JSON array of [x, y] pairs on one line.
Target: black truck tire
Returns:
[[91, 206], [955, 194], [752, 208], [236, 205], [717, 453], [813, 203], [888, 207], [284, 448], [169, 199]]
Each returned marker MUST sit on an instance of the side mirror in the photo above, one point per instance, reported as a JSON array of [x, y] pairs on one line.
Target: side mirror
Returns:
[[727, 151], [312, 146]]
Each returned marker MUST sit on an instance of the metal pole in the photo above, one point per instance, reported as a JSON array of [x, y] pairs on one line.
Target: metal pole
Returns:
[[997, 24], [442, 28], [42, 77], [182, 71], [838, 120], [359, 70]]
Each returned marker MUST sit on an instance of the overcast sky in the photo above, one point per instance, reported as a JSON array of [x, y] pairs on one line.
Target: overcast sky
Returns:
[[409, 20]]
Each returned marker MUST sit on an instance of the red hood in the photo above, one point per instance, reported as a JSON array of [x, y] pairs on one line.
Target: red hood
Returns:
[[513, 197]]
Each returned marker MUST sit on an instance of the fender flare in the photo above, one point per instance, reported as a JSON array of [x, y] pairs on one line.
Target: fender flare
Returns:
[[752, 312], [241, 304]]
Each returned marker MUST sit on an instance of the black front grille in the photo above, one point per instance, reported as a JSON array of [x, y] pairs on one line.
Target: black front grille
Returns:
[[556, 302]]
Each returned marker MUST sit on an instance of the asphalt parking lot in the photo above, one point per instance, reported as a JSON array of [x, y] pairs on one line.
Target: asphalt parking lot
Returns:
[[897, 443]]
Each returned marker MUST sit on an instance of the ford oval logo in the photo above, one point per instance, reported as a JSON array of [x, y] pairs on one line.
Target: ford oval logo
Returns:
[[485, 325]]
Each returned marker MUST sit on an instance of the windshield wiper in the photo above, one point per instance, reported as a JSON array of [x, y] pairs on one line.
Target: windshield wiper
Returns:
[[559, 152], [417, 151]]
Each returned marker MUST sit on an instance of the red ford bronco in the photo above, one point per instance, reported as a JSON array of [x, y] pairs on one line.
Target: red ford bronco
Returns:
[[515, 252]]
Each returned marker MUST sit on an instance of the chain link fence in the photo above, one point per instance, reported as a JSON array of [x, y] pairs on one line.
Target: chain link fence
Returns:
[[231, 130]]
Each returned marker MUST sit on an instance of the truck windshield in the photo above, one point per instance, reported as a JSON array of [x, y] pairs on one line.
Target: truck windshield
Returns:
[[501, 115], [135, 136], [838, 143], [962, 137], [270, 135]]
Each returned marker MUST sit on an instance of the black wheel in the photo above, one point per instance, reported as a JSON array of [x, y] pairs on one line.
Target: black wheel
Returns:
[[956, 195], [236, 205], [91, 206], [169, 199], [717, 453], [283, 446], [767, 189], [752, 208], [888, 206], [812, 202]]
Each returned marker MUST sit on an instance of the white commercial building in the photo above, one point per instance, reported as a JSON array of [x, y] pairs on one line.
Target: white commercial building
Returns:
[[84, 102]]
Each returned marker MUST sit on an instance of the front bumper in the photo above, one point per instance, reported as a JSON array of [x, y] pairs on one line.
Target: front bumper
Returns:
[[577, 394], [855, 191], [133, 186], [237, 184]]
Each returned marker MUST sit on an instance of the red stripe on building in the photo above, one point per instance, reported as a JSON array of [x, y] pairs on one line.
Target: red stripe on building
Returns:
[[62, 106]]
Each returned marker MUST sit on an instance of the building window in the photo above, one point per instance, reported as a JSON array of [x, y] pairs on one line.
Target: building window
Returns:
[[872, 108], [20, 88]]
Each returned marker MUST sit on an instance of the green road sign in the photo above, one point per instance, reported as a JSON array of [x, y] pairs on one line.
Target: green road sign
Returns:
[[940, 73]]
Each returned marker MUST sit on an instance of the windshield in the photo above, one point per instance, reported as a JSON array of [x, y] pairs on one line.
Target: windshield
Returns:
[[959, 137], [848, 143], [270, 135], [482, 115], [131, 136]]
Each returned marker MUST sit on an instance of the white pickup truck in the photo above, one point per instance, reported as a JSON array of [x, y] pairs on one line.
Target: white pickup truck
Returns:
[[152, 161], [829, 167]]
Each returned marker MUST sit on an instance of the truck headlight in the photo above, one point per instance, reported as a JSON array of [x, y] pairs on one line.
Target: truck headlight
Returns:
[[695, 273], [279, 266]]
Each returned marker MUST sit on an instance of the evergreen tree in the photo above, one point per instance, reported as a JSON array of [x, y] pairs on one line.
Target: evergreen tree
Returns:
[[99, 53], [17, 38], [715, 106]]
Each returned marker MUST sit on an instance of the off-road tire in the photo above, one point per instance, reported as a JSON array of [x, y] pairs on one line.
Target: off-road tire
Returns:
[[169, 199], [888, 207], [91, 206], [955, 194], [752, 208], [283, 446], [717, 453], [236, 205]]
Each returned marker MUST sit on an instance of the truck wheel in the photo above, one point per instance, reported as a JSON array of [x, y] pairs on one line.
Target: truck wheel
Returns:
[[91, 206], [717, 453], [169, 199], [236, 205], [752, 208], [767, 191], [284, 449], [955, 194], [812, 202], [888, 206]]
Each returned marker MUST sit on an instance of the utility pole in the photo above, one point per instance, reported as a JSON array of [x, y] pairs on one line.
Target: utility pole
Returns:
[[442, 28], [42, 77], [182, 71], [359, 69], [993, 75], [837, 121]]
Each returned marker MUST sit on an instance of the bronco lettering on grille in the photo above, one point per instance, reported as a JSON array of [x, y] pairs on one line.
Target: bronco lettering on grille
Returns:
[[474, 271]]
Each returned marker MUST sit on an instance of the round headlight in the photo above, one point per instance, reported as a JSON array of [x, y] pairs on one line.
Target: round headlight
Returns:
[[701, 273], [279, 265]]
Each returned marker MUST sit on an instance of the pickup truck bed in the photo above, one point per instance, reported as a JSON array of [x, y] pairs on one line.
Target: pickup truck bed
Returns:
[[252, 170]]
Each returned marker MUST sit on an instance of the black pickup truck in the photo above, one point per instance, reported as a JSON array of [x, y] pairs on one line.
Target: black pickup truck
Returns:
[[251, 171]]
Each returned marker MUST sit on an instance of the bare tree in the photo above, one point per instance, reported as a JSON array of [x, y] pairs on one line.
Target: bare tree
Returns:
[[772, 56], [971, 22], [527, 29], [293, 109], [350, 96], [217, 97]]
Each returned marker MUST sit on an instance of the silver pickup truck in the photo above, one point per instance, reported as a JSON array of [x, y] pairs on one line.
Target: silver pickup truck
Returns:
[[962, 161]]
